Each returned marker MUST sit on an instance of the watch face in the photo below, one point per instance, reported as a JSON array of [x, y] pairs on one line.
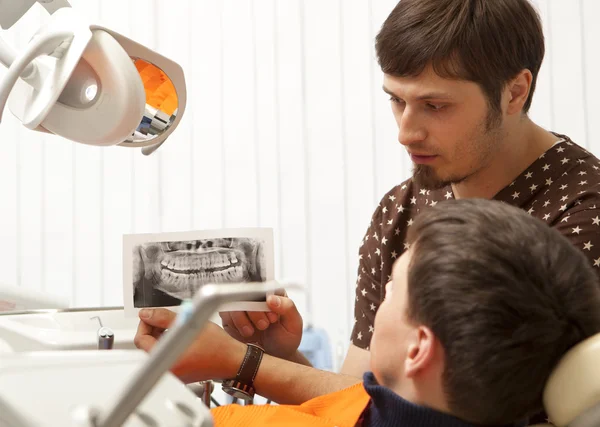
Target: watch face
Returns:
[[236, 392]]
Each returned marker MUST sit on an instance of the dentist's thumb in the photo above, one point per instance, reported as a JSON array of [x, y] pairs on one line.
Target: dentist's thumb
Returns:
[[286, 309]]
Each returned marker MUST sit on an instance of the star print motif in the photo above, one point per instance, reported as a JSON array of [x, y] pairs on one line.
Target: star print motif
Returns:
[[564, 161], [448, 195], [549, 181], [533, 188], [377, 251], [384, 240], [373, 307], [562, 187], [423, 192], [588, 246], [596, 221], [564, 198], [397, 231], [384, 209], [576, 230], [394, 255], [560, 149], [546, 167], [409, 222], [433, 203], [528, 175], [392, 198], [563, 208], [359, 336], [546, 217], [390, 221], [597, 262], [583, 183], [530, 211], [565, 219], [400, 209], [546, 203], [515, 195], [363, 292], [413, 201], [371, 328], [406, 245]]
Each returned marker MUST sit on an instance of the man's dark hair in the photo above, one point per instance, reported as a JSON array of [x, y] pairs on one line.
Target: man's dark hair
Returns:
[[506, 295], [484, 41]]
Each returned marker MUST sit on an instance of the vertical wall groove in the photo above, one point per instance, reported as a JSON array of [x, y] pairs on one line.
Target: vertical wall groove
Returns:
[[159, 169], [222, 118], [191, 113], [101, 202], [549, 57], [373, 113], [255, 129], [584, 82], [345, 155], [73, 227], [276, 94], [43, 219], [307, 204], [19, 266]]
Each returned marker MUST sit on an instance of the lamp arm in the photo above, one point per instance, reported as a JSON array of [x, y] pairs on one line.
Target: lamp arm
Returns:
[[20, 64], [8, 56]]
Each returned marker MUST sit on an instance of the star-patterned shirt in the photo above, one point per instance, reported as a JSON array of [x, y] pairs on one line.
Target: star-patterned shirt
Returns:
[[561, 188]]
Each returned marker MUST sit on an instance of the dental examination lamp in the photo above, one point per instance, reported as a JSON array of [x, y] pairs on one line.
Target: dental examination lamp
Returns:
[[87, 83]]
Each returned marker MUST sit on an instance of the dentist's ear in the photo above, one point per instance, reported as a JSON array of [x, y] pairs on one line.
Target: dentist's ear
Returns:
[[421, 351], [519, 89]]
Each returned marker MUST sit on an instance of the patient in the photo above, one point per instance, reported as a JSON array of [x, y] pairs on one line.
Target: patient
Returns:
[[478, 313]]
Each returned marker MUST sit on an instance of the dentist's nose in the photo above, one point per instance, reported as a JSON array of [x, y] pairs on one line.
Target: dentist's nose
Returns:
[[410, 130]]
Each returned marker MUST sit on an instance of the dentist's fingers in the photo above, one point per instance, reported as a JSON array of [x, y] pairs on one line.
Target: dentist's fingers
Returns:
[[288, 313], [157, 317], [259, 319]]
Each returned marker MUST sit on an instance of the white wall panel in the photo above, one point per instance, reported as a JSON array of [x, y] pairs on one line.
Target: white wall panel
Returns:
[[286, 127]]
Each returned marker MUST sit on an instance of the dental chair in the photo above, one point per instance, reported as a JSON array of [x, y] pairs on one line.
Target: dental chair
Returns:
[[572, 393]]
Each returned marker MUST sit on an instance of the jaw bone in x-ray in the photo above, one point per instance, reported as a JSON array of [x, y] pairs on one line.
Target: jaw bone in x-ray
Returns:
[[165, 273]]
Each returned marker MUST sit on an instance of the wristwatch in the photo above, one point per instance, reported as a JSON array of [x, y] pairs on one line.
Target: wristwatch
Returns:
[[242, 386]]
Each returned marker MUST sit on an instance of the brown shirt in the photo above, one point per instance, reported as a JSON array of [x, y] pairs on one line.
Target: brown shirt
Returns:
[[561, 188]]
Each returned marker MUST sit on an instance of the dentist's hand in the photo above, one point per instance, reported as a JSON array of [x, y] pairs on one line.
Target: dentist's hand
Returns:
[[213, 355], [279, 331]]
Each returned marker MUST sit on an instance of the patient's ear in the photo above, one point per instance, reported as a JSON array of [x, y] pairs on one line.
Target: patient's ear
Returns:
[[421, 351]]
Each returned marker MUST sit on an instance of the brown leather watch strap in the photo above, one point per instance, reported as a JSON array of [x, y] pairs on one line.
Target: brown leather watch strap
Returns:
[[249, 366]]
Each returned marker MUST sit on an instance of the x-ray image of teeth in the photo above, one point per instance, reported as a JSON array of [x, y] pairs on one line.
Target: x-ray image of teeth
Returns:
[[165, 273]]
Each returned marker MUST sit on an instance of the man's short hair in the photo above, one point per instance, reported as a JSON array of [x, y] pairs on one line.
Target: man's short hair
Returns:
[[506, 295], [485, 41]]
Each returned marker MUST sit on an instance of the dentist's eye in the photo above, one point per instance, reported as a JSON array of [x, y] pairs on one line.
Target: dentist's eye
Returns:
[[435, 107], [396, 100]]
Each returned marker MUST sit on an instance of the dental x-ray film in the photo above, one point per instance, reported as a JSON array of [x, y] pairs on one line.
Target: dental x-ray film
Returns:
[[162, 270]]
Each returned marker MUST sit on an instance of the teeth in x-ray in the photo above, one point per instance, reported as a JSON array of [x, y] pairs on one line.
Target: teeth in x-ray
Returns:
[[182, 285]]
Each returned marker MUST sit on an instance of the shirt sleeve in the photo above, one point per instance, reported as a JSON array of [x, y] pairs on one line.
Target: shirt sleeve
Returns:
[[582, 228], [368, 283]]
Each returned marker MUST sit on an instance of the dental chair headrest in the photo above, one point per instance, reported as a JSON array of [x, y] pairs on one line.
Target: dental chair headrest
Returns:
[[572, 393]]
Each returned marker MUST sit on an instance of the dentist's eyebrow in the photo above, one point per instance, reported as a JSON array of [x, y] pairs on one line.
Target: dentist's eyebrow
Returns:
[[425, 97]]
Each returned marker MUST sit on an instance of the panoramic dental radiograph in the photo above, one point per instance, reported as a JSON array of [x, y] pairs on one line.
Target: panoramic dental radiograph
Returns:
[[165, 273]]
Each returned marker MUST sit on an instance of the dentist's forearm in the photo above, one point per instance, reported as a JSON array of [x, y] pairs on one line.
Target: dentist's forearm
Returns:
[[290, 383]]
